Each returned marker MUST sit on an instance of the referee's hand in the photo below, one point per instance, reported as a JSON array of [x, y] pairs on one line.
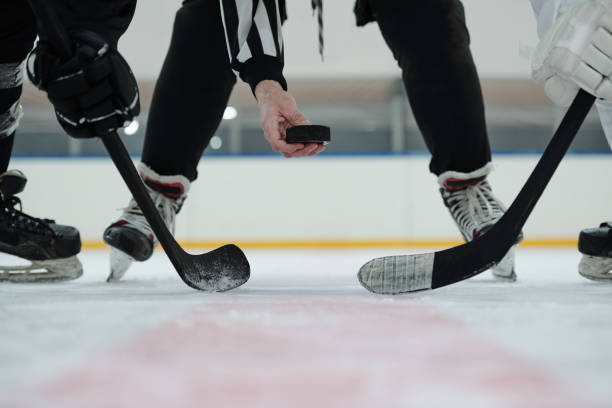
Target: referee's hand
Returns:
[[279, 111]]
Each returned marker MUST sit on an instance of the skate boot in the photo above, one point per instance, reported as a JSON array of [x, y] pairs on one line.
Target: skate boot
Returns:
[[475, 210], [595, 244], [131, 238], [51, 248]]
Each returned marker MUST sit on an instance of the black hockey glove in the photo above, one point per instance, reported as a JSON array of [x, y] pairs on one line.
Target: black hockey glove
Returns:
[[94, 92]]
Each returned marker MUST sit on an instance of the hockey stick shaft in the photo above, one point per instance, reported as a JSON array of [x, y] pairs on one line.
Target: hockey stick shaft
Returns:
[[523, 204]]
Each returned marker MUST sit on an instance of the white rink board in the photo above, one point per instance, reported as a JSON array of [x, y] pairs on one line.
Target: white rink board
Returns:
[[325, 198]]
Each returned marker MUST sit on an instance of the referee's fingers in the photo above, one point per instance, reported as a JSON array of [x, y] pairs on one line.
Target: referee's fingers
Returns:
[[296, 118]]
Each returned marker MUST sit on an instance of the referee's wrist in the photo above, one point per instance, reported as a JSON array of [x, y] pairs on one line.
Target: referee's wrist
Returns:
[[262, 67], [266, 87]]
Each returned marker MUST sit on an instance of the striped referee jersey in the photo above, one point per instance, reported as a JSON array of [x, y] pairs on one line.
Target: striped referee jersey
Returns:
[[254, 38]]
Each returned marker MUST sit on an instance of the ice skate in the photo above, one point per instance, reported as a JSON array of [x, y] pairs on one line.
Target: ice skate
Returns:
[[51, 248], [131, 238], [475, 209], [595, 244]]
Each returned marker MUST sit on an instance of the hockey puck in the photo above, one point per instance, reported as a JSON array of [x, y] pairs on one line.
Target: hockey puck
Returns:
[[308, 134]]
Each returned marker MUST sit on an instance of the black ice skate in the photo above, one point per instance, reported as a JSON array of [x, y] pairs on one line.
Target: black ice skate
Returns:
[[131, 238], [475, 210], [595, 244], [51, 248]]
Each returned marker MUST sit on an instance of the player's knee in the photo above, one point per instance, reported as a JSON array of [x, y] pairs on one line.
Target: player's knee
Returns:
[[11, 78], [451, 26], [431, 29]]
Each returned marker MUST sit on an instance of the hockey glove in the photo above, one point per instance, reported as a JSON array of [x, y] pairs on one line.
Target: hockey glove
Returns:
[[576, 52], [94, 92]]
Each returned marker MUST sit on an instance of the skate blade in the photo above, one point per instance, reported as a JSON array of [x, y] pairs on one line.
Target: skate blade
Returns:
[[51, 270], [504, 270], [120, 262], [596, 268]]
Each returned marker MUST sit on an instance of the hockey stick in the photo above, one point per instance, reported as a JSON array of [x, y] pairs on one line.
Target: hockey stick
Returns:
[[409, 273], [222, 269]]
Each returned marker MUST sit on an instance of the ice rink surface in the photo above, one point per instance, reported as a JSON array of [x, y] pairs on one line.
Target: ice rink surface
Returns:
[[303, 333]]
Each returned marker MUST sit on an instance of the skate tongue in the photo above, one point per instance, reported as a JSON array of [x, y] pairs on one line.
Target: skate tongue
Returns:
[[455, 184], [11, 182]]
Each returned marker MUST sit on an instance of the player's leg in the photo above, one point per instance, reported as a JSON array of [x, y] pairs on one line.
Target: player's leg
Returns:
[[51, 248], [430, 41], [188, 103]]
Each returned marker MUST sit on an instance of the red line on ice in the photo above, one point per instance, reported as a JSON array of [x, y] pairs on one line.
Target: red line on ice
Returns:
[[313, 351]]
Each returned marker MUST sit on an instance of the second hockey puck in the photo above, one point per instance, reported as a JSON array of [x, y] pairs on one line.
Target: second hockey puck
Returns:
[[308, 134]]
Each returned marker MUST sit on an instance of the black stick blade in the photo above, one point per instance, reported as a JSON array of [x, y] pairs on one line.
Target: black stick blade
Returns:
[[220, 270], [392, 275]]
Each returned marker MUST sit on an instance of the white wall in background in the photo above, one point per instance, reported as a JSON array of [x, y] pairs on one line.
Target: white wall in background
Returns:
[[334, 198], [497, 28]]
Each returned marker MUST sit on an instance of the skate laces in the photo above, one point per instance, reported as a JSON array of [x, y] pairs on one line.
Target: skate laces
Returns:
[[474, 207], [23, 221], [167, 208]]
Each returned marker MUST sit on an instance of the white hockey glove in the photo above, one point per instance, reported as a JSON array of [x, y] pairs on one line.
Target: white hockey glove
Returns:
[[576, 52]]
